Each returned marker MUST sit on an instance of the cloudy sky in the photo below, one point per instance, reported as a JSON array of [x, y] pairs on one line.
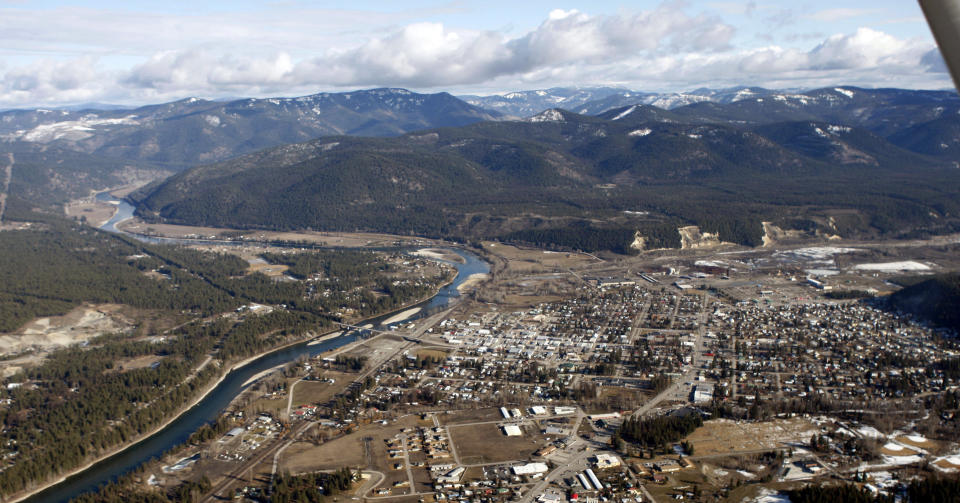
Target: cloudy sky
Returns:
[[133, 52]]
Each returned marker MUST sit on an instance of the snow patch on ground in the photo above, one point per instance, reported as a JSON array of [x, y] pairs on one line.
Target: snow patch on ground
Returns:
[[870, 432], [768, 496], [74, 130], [845, 92], [917, 438], [952, 459], [890, 446], [640, 132], [547, 116], [816, 253], [906, 265], [625, 113], [822, 272], [901, 460]]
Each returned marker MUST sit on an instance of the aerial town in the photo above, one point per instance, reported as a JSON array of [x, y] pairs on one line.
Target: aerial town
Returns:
[[700, 380]]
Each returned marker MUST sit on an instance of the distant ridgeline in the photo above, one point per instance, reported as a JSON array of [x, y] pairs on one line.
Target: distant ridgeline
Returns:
[[836, 161], [622, 181]]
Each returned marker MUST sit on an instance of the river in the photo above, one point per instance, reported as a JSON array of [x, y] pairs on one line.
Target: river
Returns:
[[210, 408]]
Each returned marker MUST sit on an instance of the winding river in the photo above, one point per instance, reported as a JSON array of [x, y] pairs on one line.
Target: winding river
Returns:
[[208, 409]]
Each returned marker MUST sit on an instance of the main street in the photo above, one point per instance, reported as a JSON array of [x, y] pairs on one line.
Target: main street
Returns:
[[681, 388]]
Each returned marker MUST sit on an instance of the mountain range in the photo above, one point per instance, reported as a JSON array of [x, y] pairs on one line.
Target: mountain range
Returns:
[[193, 131], [626, 179], [595, 100], [839, 160]]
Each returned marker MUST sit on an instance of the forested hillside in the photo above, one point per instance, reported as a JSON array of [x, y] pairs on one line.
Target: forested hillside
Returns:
[[570, 181], [80, 402], [936, 300]]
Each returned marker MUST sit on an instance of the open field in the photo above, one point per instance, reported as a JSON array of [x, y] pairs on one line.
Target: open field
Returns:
[[303, 457], [917, 441], [318, 392], [892, 449], [96, 213], [526, 260], [723, 436], [365, 448], [432, 353], [271, 270], [470, 416], [486, 443], [128, 364], [337, 239]]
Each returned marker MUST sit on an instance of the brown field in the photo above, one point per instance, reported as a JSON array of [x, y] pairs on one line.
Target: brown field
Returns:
[[524, 301], [470, 416], [354, 451], [533, 260], [125, 365], [486, 443], [902, 452], [305, 457], [724, 436], [927, 444], [96, 213], [318, 392], [273, 406], [345, 239], [271, 270], [945, 463], [432, 353]]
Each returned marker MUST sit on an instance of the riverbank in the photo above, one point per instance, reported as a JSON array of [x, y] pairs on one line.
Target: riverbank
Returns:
[[96, 213], [402, 316], [206, 391], [472, 281], [180, 412], [439, 254]]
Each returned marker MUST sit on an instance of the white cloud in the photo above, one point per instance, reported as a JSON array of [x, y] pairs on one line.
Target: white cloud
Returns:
[[838, 14], [432, 55], [665, 48], [867, 48], [53, 81]]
